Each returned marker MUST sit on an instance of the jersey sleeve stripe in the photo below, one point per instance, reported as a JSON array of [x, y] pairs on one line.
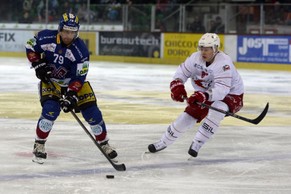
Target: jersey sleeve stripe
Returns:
[[223, 78], [222, 84], [211, 121]]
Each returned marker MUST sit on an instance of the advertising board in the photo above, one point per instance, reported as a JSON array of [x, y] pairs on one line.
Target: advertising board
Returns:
[[264, 49]]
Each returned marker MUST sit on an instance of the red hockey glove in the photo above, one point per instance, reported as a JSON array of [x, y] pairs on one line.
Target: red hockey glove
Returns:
[[42, 70], [178, 92], [69, 102], [197, 97]]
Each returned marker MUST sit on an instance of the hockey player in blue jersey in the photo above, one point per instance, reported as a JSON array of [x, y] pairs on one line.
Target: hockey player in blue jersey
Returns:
[[61, 58]]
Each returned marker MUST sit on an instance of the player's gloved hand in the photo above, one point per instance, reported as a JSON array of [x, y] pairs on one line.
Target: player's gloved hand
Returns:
[[69, 102], [42, 70], [197, 97], [178, 92]]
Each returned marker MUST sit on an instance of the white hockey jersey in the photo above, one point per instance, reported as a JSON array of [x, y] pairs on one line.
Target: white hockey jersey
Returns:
[[218, 79]]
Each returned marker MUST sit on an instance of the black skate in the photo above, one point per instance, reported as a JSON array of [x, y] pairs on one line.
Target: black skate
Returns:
[[194, 148], [156, 147], [39, 152], [111, 153]]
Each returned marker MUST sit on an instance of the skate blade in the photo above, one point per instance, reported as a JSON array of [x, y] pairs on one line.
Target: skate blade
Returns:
[[38, 160], [114, 160], [146, 155]]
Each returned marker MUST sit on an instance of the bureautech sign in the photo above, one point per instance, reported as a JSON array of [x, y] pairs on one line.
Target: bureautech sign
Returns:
[[129, 44]]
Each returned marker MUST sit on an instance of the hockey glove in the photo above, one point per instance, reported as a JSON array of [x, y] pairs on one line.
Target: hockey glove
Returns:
[[178, 92], [42, 70], [69, 102], [197, 97]]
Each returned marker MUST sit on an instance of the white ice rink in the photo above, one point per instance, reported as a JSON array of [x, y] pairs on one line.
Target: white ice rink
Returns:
[[241, 158]]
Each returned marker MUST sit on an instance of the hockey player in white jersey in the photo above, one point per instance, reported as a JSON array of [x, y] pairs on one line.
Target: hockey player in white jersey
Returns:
[[216, 82]]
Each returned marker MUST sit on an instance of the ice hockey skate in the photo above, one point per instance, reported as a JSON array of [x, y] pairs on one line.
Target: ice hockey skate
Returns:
[[156, 147], [39, 152], [111, 153], [194, 148]]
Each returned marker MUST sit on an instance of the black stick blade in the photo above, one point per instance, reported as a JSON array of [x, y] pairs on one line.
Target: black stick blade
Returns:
[[119, 167], [253, 121], [261, 116]]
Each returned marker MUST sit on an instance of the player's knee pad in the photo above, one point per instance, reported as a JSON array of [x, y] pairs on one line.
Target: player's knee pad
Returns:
[[178, 127], [184, 122], [211, 122], [92, 115], [216, 116], [45, 125], [97, 129], [51, 110], [94, 118]]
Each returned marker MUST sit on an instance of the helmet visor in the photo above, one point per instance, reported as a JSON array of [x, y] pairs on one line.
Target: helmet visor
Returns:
[[70, 28]]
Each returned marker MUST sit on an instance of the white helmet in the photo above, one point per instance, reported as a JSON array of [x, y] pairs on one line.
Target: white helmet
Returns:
[[209, 40]]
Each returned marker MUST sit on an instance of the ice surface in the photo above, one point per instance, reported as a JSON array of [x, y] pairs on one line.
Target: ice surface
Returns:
[[239, 159]]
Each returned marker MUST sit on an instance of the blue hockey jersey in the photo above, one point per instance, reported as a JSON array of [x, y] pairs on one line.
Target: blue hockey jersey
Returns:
[[69, 63]]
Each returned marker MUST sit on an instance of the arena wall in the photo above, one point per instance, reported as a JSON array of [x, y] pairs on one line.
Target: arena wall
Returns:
[[269, 52]]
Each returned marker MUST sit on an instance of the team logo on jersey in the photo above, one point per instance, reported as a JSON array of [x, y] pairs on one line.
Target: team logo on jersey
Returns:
[[49, 47], [69, 54], [59, 73], [82, 68], [203, 74], [199, 83], [226, 67], [31, 42], [205, 80]]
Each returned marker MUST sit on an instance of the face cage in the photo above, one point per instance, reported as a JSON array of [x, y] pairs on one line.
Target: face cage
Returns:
[[76, 35], [74, 29]]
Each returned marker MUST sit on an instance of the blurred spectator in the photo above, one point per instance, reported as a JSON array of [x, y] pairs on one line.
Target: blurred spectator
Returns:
[[160, 25], [53, 10], [129, 2], [161, 6], [27, 8], [275, 13], [27, 5], [68, 7], [196, 26], [85, 14], [113, 10], [25, 19], [41, 10], [217, 27]]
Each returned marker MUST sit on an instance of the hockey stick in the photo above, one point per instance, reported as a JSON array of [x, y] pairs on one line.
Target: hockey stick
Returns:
[[118, 167], [253, 121]]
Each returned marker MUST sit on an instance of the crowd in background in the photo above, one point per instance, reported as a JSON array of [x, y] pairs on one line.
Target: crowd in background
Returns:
[[139, 16], [35, 10]]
